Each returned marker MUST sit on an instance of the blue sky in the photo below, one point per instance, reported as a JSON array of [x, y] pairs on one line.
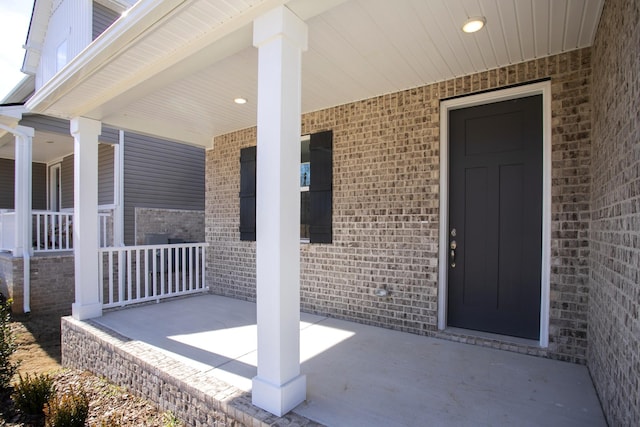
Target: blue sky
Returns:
[[14, 24]]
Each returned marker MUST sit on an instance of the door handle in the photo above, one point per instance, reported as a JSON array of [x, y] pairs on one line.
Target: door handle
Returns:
[[452, 253]]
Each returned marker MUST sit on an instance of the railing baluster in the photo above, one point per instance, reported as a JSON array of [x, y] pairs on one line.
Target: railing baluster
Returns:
[[169, 265], [203, 266], [101, 275], [110, 277], [146, 270], [183, 253], [154, 267], [138, 284], [162, 272], [195, 267], [129, 287], [121, 278], [67, 226]]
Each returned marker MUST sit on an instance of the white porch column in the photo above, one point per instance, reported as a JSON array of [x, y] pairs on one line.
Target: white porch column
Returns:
[[22, 197], [281, 37], [118, 192], [23, 204], [85, 217]]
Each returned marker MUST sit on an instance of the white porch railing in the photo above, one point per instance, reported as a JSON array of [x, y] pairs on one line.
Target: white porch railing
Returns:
[[135, 274], [53, 231]]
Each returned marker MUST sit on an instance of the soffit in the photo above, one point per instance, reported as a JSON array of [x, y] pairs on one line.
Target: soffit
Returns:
[[176, 77]]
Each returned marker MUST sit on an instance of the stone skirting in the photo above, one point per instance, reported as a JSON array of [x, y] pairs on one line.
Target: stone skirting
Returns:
[[195, 397]]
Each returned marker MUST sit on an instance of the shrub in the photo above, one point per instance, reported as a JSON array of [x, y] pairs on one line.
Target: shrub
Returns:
[[7, 344], [32, 393], [170, 420], [69, 410]]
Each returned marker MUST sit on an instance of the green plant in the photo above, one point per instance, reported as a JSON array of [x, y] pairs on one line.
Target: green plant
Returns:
[[69, 410], [32, 393], [170, 420], [8, 345]]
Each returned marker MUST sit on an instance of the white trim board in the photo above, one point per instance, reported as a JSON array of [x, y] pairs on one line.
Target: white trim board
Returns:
[[543, 88]]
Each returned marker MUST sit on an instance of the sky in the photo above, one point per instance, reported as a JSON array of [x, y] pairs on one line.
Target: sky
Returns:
[[14, 24]]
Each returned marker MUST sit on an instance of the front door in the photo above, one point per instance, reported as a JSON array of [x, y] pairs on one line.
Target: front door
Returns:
[[495, 217]]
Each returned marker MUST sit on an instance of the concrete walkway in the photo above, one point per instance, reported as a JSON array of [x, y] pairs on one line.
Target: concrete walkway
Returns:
[[366, 376]]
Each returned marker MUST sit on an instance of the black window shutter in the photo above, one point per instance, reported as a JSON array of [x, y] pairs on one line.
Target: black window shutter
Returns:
[[248, 194], [321, 187]]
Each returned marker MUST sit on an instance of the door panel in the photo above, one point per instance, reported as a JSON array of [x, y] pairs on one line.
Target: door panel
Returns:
[[495, 208]]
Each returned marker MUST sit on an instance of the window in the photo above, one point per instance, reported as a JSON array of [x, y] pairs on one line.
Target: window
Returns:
[[61, 55], [305, 179], [316, 189]]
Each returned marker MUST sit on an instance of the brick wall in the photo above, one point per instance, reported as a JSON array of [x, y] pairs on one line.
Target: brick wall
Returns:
[[184, 224], [52, 283], [386, 206], [614, 306]]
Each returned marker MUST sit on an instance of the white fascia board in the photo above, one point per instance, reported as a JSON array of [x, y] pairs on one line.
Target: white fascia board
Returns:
[[35, 36]]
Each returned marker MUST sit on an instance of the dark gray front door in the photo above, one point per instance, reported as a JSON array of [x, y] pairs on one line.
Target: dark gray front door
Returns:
[[495, 217]]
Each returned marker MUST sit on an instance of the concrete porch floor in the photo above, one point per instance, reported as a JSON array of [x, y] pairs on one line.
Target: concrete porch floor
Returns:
[[360, 375]]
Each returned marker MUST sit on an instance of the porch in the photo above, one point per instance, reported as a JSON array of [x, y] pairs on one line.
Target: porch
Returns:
[[197, 353]]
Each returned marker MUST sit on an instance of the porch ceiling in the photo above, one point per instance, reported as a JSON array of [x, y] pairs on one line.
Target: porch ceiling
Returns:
[[173, 68], [47, 146]]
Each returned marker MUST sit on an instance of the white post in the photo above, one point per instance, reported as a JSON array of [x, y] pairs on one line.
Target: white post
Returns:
[[280, 37], [85, 217], [118, 192], [22, 202], [22, 197]]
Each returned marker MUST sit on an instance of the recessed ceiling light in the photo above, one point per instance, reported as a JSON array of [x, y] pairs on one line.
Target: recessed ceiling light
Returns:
[[240, 101], [474, 24]]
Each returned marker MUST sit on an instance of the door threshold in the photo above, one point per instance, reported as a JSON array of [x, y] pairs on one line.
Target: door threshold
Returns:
[[491, 340]]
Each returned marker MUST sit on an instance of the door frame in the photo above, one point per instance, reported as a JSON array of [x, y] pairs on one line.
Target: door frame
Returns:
[[540, 88], [55, 192]]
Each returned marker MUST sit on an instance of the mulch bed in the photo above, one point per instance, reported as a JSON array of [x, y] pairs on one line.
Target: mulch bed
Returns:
[[110, 405]]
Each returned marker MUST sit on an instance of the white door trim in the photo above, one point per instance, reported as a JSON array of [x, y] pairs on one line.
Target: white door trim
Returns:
[[55, 191], [543, 88]]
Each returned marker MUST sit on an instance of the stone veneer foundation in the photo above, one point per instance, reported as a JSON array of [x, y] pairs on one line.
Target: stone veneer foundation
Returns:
[[195, 397], [386, 207]]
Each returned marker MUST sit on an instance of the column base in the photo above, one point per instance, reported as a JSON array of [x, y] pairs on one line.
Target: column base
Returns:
[[83, 312], [279, 399]]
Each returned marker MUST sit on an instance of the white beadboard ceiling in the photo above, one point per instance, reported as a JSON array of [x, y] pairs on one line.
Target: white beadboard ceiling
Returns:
[[177, 77]]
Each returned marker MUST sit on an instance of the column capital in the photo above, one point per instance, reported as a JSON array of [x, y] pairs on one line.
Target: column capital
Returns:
[[280, 22], [82, 124], [26, 131]]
